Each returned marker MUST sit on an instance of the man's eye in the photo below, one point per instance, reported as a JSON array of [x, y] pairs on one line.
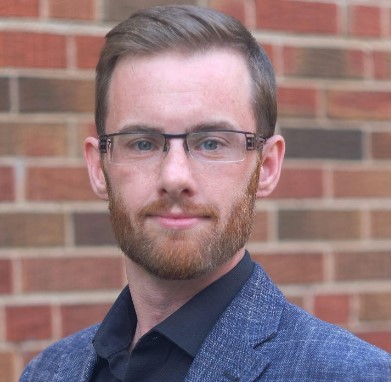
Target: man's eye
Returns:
[[210, 144], [143, 145]]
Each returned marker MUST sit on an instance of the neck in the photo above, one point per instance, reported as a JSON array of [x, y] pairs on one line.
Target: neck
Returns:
[[156, 299]]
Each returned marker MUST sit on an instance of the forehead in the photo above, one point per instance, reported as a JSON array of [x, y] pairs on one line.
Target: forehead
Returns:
[[174, 87]]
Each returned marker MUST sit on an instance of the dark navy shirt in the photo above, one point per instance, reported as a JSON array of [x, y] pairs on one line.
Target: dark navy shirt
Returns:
[[167, 351]]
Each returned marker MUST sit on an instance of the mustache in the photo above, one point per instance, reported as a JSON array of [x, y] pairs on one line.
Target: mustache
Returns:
[[160, 207]]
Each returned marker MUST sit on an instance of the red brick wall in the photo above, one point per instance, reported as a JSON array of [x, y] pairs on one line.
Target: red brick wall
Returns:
[[325, 234]]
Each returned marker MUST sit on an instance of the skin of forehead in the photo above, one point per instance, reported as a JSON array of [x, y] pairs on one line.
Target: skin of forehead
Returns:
[[147, 73]]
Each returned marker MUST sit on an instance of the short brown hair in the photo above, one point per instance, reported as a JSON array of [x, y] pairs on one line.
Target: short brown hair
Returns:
[[187, 29]]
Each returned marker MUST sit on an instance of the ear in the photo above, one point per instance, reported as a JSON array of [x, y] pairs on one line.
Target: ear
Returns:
[[272, 157], [94, 166]]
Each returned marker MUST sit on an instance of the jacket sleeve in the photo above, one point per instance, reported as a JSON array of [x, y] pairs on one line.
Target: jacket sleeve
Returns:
[[71, 359]]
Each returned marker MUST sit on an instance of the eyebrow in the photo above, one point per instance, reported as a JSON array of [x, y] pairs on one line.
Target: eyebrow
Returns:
[[214, 125], [204, 126], [137, 128]]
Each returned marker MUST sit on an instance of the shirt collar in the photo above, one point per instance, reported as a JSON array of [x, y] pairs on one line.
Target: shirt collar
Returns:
[[188, 327], [116, 331]]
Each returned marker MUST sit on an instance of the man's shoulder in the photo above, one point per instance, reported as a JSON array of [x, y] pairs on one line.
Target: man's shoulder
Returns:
[[74, 343], [76, 350], [299, 341], [308, 328], [326, 349]]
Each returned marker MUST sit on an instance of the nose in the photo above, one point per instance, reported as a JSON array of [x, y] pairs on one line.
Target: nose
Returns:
[[176, 172]]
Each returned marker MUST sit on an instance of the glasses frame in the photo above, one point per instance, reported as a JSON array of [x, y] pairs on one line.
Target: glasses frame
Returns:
[[253, 141]]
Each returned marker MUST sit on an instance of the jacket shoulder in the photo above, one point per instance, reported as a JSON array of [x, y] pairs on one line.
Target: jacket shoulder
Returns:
[[315, 350], [261, 335], [309, 349], [63, 360]]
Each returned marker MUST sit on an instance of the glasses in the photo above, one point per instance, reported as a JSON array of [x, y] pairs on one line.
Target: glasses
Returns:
[[206, 146]]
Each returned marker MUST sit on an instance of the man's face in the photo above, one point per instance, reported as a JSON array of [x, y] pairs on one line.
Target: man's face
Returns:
[[180, 218]]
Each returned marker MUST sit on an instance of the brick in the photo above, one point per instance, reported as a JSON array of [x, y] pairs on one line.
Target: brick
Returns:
[[5, 276], [382, 65], [296, 300], [260, 229], [7, 364], [323, 62], [67, 183], [364, 21], [270, 52], [381, 224], [19, 8], [72, 274], [292, 268], [332, 308], [235, 8], [56, 95], [297, 102], [388, 33], [362, 265], [77, 317], [299, 184], [31, 139], [380, 145], [371, 105], [27, 356], [93, 229], [7, 184], [4, 94], [318, 225], [87, 51], [297, 16], [25, 323], [118, 10], [72, 9], [323, 143], [36, 50], [31, 230], [84, 130], [378, 338], [362, 183], [375, 306]]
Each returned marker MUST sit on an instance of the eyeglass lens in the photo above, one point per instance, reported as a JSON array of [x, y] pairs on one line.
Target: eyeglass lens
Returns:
[[209, 146]]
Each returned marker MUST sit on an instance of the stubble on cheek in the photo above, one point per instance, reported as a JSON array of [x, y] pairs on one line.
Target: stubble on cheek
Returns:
[[184, 254], [166, 253]]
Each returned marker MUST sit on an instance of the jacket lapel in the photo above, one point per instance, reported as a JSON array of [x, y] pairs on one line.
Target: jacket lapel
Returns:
[[83, 360], [237, 362], [234, 351]]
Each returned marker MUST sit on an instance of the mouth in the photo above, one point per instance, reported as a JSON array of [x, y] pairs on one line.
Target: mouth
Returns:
[[178, 217], [178, 221]]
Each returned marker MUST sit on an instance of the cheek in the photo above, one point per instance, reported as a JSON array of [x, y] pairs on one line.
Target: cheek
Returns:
[[131, 185], [235, 177], [225, 187]]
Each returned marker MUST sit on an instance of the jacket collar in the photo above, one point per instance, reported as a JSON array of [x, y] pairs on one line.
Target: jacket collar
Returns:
[[232, 350], [82, 365]]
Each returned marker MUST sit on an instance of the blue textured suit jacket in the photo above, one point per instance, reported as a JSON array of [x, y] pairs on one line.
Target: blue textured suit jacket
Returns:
[[260, 337]]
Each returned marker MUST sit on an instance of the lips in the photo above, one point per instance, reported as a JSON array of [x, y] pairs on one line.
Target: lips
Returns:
[[178, 221], [180, 216]]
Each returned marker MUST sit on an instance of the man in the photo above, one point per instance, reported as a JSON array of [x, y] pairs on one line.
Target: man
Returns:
[[185, 113]]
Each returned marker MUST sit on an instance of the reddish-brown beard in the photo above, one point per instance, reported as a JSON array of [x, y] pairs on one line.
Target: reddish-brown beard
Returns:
[[184, 254]]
